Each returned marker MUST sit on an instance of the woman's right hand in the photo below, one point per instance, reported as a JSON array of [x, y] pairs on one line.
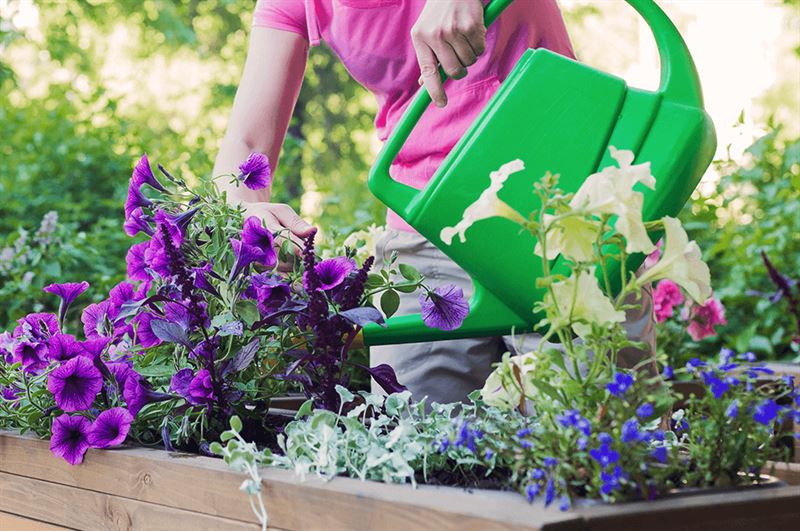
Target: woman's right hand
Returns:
[[281, 219]]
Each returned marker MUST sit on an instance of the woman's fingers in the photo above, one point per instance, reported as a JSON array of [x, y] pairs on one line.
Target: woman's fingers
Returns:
[[429, 68]]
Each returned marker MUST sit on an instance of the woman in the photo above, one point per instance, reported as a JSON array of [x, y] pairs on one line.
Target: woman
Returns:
[[390, 46]]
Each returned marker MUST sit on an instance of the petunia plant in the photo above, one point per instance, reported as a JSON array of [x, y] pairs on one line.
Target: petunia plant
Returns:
[[206, 326]]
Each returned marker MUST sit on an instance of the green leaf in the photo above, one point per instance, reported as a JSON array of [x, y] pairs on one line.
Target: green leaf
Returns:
[[305, 409], [248, 312], [344, 394], [406, 287], [374, 280], [547, 389], [390, 302], [409, 272], [216, 447], [226, 436], [236, 424]]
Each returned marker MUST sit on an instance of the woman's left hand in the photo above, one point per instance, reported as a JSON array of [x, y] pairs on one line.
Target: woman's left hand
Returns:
[[450, 33]]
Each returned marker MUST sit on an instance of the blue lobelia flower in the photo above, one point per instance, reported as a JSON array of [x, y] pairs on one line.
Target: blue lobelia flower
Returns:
[[668, 372], [467, 437], [766, 412], [630, 431], [660, 453], [645, 411], [564, 503], [550, 462], [694, 363], [749, 357], [604, 455], [532, 490], [622, 382], [605, 438], [549, 492], [572, 419], [611, 481], [733, 410], [718, 387], [537, 473]]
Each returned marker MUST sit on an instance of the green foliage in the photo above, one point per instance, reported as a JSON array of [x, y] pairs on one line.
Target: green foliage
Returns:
[[753, 208]]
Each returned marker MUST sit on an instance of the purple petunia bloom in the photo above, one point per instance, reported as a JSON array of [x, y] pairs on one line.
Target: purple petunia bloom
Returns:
[[245, 255], [32, 356], [142, 174], [255, 172], [180, 382], [254, 233], [766, 412], [622, 382], [136, 265], [138, 393], [604, 455], [63, 347], [178, 314], [97, 320], [75, 384], [110, 428], [144, 333], [36, 327], [200, 389], [269, 291], [69, 291], [11, 394], [200, 280], [137, 222], [69, 439], [135, 199], [331, 272], [93, 348], [444, 308]]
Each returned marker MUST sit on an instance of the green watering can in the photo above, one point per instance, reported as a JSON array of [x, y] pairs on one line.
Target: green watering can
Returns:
[[556, 115]]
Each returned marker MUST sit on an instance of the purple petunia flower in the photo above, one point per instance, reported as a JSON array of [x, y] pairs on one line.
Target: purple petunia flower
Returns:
[[97, 320], [69, 439], [269, 291], [331, 272], [62, 347], [32, 356], [254, 233], [733, 410], [142, 174], [180, 382], [36, 327], [69, 291], [136, 265], [110, 428], [444, 308], [645, 411], [622, 382], [75, 384], [245, 255], [604, 455], [200, 280], [255, 172], [135, 199], [201, 390], [137, 222], [11, 394], [138, 393], [93, 348], [766, 412]]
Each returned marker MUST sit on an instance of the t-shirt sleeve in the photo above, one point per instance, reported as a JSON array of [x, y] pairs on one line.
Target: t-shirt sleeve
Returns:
[[288, 15]]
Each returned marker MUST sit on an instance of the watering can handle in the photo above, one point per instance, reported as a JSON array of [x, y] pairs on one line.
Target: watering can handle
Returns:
[[679, 83]]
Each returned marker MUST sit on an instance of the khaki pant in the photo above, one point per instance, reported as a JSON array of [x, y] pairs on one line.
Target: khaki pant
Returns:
[[447, 371]]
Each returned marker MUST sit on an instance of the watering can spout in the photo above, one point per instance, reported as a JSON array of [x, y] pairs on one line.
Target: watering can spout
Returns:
[[554, 114]]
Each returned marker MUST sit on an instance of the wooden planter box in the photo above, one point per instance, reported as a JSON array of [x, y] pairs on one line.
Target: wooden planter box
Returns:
[[138, 488]]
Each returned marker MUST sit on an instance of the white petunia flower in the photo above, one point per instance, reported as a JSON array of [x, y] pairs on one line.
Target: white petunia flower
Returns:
[[571, 237], [488, 205], [611, 192], [369, 236], [681, 262], [586, 302], [504, 386]]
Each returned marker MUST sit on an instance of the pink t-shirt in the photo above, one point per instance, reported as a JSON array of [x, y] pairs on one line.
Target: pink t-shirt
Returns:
[[373, 40]]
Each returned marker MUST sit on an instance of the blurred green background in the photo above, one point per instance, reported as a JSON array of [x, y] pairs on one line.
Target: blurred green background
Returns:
[[87, 86]]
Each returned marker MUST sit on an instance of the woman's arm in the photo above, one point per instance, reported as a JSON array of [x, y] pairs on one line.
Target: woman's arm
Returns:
[[265, 100]]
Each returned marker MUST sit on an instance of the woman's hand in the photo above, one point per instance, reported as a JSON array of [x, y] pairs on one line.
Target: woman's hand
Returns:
[[450, 33], [281, 219]]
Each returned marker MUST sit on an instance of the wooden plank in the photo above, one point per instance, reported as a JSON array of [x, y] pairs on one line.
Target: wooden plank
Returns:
[[788, 472], [205, 485], [83, 509], [774, 508], [11, 522]]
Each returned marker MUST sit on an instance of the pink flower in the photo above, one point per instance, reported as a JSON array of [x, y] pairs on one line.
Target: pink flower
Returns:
[[666, 296], [653, 258], [703, 319]]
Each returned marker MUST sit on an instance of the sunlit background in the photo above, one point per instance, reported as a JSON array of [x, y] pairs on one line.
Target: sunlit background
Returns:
[[86, 86]]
